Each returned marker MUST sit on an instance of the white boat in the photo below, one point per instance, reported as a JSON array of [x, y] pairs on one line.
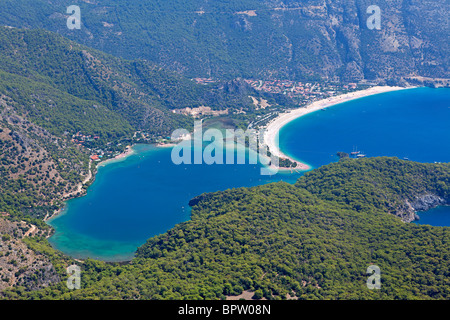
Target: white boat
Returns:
[[361, 155]]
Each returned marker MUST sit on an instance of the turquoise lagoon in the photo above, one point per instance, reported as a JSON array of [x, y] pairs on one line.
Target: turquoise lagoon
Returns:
[[141, 196], [146, 194]]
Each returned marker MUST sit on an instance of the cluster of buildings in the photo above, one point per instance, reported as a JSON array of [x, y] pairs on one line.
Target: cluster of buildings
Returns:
[[96, 157], [297, 88], [305, 91], [80, 138], [85, 140], [292, 88]]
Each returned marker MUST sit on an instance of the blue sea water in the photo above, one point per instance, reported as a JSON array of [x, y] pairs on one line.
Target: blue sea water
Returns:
[[438, 217], [139, 197], [146, 194], [412, 124]]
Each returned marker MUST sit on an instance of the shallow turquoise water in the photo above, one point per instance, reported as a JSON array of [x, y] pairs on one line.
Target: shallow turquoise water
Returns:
[[142, 196], [146, 194]]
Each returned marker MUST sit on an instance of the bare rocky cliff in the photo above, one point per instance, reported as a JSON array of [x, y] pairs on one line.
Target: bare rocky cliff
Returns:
[[411, 40], [408, 212]]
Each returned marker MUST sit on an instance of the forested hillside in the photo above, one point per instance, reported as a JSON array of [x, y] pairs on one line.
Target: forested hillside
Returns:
[[62, 102], [89, 91], [371, 186], [54, 91], [281, 241], [37, 168], [299, 40]]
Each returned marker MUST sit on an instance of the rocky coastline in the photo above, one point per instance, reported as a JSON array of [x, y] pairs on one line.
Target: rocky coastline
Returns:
[[408, 212]]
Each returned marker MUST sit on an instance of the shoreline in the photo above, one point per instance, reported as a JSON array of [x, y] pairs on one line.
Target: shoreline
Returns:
[[273, 128], [76, 194], [128, 152]]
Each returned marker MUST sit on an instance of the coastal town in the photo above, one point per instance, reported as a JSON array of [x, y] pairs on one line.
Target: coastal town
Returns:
[[299, 94], [295, 89]]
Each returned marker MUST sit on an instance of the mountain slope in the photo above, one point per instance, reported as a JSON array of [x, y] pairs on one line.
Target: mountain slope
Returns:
[[282, 241], [61, 102], [107, 83], [258, 39], [369, 186], [141, 94]]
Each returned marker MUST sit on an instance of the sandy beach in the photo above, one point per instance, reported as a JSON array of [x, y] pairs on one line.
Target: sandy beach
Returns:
[[128, 152], [272, 129]]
